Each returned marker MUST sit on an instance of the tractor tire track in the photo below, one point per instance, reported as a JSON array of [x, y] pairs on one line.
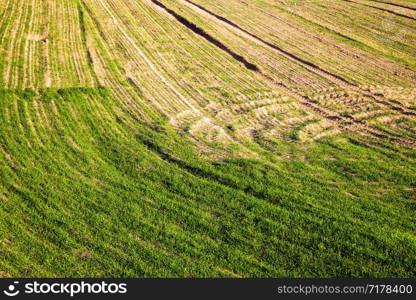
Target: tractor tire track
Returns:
[[341, 120], [145, 58], [47, 81], [83, 30]]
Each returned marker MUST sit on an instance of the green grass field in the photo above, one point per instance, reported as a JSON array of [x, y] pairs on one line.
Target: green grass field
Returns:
[[207, 138]]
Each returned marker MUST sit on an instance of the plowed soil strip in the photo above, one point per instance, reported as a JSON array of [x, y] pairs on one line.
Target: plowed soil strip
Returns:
[[396, 4], [310, 66], [333, 31], [207, 36], [383, 9], [304, 100], [341, 120], [303, 30], [324, 41]]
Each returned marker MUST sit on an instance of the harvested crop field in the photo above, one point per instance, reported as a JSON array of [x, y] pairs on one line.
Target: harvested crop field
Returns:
[[207, 138]]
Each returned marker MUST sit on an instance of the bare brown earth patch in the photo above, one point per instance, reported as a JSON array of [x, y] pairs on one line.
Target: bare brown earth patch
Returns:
[[37, 37], [5, 275]]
